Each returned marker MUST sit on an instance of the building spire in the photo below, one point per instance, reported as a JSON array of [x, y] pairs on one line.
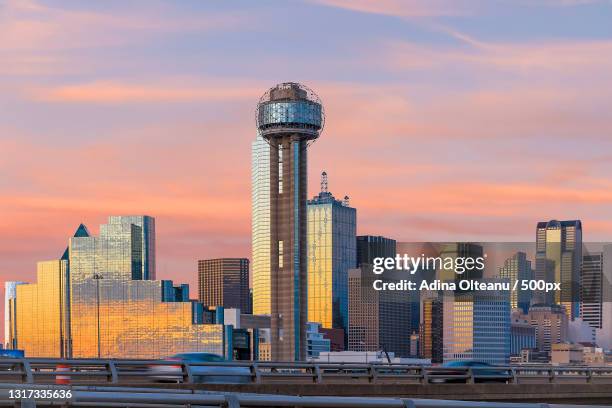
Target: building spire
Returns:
[[324, 182]]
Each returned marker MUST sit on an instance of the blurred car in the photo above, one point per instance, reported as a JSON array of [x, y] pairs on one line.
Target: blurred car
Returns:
[[459, 372], [209, 373]]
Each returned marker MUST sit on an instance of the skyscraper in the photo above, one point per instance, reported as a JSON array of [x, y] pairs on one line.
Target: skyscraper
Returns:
[[477, 326], [558, 259], [518, 267], [431, 333], [370, 247], [289, 117], [591, 289], [43, 318], [604, 335], [10, 292], [94, 302], [260, 225], [224, 282], [147, 239], [378, 319], [550, 323], [522, 333], [331, 253]]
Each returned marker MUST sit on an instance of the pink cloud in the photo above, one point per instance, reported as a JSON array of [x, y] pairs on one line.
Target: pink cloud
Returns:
[[27, 24], [113, 92], [402, 8]]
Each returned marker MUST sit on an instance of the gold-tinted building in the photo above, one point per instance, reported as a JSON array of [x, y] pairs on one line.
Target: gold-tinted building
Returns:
[[42, 321], [96, 302], [260, 225], [128, 319], [332, 226]]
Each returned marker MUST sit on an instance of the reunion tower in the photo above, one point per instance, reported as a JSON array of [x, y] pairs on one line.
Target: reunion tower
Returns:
[[289, 117]]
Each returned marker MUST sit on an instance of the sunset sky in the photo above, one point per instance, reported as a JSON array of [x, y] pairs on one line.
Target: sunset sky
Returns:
[[446, 119]]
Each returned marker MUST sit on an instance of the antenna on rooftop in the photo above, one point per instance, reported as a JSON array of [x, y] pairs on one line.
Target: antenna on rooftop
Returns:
[[324, 182]]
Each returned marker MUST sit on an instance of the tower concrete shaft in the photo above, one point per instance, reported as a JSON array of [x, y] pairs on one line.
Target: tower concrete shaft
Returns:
[[288, 197]]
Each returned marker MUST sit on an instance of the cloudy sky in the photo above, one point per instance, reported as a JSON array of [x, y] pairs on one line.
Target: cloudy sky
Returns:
[[446, 119]]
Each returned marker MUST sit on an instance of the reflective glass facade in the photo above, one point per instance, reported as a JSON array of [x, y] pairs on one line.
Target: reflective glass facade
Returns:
[[477, 327], [518, 267], [282, 113], [132, 322], [147, 238], [331, 253], [10, 292], [95, 301], [42, 321], [558, 259], [260, 225]]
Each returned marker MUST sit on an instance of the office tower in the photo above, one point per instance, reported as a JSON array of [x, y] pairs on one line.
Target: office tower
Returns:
[[147, 240], [460, 250], [550, 323], [431, 333], [522, 333], [518, 267], [558, 259], [591, 289], [260, 225], [117, 314], [378, 320], [224, 282], [124, 250], [477, 326], [370, 247], [10, 292], [604, 335], [42, 318], [96, 303], [289, 117], [331, 253]]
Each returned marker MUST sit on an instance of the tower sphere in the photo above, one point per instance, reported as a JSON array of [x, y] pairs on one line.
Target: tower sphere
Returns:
[[290, 108]]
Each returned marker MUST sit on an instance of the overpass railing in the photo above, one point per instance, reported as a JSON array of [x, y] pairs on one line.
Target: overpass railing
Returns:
[[94, 371], [91, 396]]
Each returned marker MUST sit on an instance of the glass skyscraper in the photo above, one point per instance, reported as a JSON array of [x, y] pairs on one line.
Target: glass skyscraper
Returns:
[[97, 302], [518, 267], [477, 326], [10, 292], [331, 253], [558, 259], [43, 318], [260, 225]]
